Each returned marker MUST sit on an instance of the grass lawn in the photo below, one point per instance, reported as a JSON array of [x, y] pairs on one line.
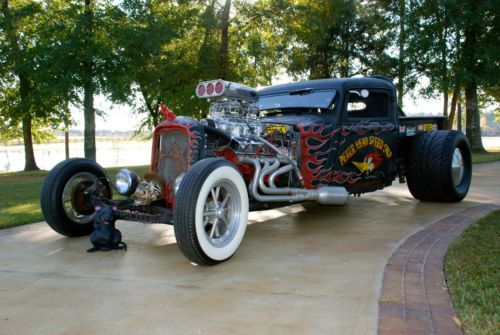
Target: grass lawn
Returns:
[[20, 196], [472, 268], [486, 157]]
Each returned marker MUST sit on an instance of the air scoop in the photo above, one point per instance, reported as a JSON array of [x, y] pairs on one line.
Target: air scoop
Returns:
[[221, 89]]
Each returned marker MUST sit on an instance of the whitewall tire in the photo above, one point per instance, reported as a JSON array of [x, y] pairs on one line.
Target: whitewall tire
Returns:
[[210, 212]]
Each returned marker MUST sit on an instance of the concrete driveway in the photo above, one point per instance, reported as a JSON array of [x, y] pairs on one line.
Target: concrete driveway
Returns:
[[312, 270]]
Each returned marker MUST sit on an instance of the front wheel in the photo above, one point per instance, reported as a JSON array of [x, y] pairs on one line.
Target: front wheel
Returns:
[[65, 200], [439, 166], [210, 212]]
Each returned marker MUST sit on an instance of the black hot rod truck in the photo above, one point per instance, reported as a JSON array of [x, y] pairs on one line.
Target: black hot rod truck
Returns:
[[317, 140]]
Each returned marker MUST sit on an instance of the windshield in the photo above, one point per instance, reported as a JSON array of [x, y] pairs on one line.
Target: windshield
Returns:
[[307, 98]]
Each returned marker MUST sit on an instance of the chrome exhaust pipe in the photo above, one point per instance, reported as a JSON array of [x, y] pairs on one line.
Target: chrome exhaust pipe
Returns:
[[327, 195]]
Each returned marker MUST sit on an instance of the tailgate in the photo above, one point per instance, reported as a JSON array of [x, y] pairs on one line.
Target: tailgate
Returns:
[[411, 125]]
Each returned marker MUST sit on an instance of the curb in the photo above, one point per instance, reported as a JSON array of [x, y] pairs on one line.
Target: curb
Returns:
[[414, 298]]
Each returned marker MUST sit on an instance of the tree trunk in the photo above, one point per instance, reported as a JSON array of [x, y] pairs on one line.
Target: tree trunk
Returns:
[[67, 117], [66, 143], [88, 86], [89, 118], [469, 50], [444, 60], [209, 17], [152, 106], [445, 102], [472, 123], [454, 100], [318, 69], [401, 59], [344, 62], [224, 38], [459, 116], [204, 52], [29, 155], [25, 107]]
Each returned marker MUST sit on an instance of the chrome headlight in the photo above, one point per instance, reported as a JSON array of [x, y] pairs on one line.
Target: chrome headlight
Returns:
[[126, 182]]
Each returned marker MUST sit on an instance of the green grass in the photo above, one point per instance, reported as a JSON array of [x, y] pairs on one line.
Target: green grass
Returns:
[[20, 196], [486, 157], [472, 268]]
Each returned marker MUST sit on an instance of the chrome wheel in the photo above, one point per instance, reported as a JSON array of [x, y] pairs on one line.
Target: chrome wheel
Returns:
[[221, 213], [74, 198], [457, 167], [210, 211]]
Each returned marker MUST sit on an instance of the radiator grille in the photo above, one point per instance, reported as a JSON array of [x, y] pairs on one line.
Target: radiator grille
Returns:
[[172, 158]]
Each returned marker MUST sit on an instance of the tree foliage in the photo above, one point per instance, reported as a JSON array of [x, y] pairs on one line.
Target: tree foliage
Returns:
[[143, 52]]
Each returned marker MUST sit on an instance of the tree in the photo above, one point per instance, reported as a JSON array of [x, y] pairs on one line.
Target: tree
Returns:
[[167, 47], [27, 105], [398, 17], [80, 57], [324, 39], [17, 53], [88, 79], [479, 59], [157, 45]]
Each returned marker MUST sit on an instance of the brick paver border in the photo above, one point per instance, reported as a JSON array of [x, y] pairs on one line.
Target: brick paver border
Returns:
[[414, 298]]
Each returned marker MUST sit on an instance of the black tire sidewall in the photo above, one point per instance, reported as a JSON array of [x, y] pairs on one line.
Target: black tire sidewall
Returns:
[[52, 190]]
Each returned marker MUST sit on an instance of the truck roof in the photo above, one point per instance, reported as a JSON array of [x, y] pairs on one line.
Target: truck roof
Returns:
[[338, 84]]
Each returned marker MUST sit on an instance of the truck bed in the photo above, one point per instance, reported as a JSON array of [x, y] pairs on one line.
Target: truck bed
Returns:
[[411, 125]]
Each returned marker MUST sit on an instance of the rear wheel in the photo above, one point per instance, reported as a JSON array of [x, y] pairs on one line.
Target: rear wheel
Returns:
[[439, 166], [65, 199], [210, 212]]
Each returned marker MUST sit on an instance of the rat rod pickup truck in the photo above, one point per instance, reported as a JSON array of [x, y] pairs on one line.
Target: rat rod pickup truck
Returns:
[[317, 140]]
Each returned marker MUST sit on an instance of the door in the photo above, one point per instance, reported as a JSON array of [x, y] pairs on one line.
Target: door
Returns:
[[368, 140]]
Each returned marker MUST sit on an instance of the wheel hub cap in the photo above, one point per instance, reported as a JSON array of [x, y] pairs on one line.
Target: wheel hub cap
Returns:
[[457, 167], [221, 214], [73, 198]]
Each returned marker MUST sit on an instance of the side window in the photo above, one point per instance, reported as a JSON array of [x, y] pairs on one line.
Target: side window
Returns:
[[375, 105]]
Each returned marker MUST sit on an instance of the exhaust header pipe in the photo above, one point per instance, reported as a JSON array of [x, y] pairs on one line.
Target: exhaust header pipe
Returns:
[[328, 195]]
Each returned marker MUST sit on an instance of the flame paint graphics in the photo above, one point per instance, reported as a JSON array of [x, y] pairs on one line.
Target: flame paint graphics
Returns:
[[194, 132], [364, 127], [318, 149], [182, 155], [342, 177]]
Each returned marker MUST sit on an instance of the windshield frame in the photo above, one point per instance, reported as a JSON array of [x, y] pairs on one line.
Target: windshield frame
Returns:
[[305, 99]]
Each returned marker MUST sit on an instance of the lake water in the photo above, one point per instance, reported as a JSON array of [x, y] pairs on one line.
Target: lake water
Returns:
[[110, 152]]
